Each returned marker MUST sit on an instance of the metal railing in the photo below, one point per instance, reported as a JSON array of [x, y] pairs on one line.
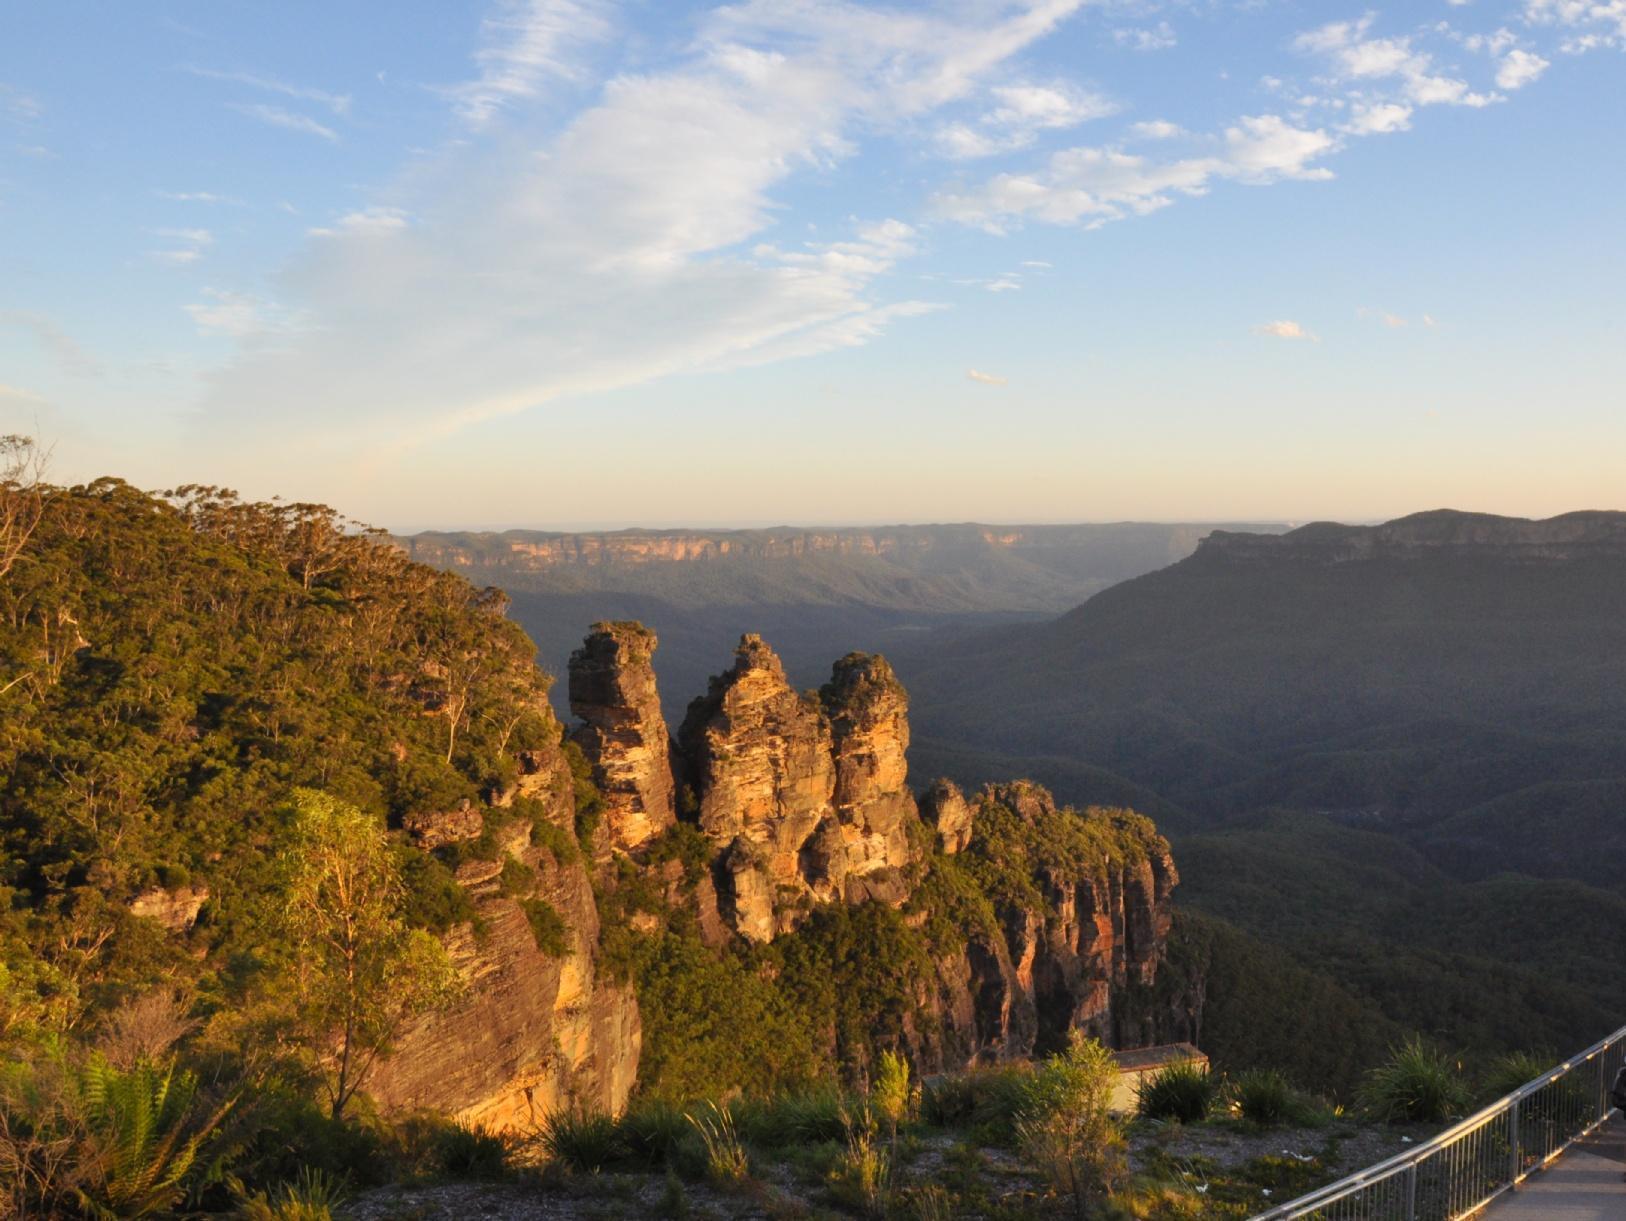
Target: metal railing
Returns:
[[1462, 1169]]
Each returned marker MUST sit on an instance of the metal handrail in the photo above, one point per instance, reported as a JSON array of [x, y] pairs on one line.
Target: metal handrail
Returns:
[[1472, 1162]]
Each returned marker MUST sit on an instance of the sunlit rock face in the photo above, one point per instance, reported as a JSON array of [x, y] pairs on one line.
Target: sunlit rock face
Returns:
[[623, 735], [533, 1031], [804, 794]]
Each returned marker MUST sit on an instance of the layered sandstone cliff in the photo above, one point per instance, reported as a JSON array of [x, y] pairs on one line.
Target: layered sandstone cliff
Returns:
[[535, 1030]]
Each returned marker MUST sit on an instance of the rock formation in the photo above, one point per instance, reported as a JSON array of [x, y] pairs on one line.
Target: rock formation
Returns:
[[803, 794], [623, 735], [535, 1031]]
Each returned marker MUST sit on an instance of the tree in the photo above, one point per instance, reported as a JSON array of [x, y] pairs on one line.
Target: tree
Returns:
[[357, 972], [22, 496], [1066, 1129]]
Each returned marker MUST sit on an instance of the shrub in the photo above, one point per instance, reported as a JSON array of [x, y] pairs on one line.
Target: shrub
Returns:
[[468, 1151], [312, 1196], [651, 1132], [1264, 1096], [1064, 1127], [1507, 1073], [785, 1120], [725, 1155], [890, 1094], [548, 927], [517, 878], [581, 1140], [862, 1173], [95, 1138], [982, 1098], [561, 844], [1417, 1084], [1181, 1091]]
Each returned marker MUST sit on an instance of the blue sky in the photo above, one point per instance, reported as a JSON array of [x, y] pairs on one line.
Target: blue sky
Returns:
[[588, 262]]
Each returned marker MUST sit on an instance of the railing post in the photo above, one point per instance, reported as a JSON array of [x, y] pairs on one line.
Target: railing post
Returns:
[[1513, 1144], [1411, 1192]]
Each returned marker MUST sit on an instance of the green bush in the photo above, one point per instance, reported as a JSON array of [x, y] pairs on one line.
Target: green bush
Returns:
[[652, 1131], [548, 927], [311, 1196], [1507, 1073], [582, 1140], [861, 1178], [516, 879], [785, 1120], [984, 1098], [1065, 1129], [561, 844], [891, 1094], [1182, 1091], [726, 1161], [1265, 1097], [1417, 1084]]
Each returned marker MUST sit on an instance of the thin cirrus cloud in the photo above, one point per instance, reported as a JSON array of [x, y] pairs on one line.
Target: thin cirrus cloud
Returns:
[[987, 379], [338, 103], [276, 116], [621, 253], [1019, 114]]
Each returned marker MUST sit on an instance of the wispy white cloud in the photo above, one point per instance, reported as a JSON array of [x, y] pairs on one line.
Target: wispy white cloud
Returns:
[[525, 43], [338, 103], [203, 197], [275, 116], [637, 242], [1590, 24], [239, 315], [987, 379], [1159, 37], [1092, 185], [62, 347], [1017, 116], [1377, 118], [377, 220], [1284, 328], [19, 106], [1358, 59], [19, 395], [1155, 129], [185, 245]]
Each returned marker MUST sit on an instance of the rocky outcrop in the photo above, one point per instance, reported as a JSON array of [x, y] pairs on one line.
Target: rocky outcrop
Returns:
[[623, 735], [804, 800], [944, 808], [431, 830], [803, 794], [535, 1031], [177, 910]]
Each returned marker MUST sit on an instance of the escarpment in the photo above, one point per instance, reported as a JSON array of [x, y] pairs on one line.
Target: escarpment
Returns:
[[538, 1026], [1037, 918]]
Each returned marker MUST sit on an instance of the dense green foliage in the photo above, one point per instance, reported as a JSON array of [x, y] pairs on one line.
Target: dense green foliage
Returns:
[[1417, 1084], [1184, 1092], [173, 667]]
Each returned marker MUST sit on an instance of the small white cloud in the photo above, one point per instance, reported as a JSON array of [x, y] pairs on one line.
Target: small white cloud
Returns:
[[1004, 284], [1039, 263], [203, 197], [987, 379], [275, 116], [1378, 118], [1284, 328], [1520, 68], [524, 43], [1020, 113], [1159, 37], [188, 248], [19, 106], [375, 220], [238, 315], [18, 394], [1155, 129]]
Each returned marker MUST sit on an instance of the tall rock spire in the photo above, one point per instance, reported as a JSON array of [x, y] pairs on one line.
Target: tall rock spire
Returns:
[[623, 735]]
